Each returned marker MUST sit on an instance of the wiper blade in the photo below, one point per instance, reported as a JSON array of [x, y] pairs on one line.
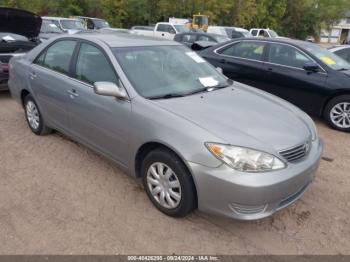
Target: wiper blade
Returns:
[[167, 96], [207, 89], [344, 69]]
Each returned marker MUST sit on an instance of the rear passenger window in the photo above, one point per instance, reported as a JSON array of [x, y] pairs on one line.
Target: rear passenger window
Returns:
[[93, 66], [246, 49], [58, 56], [254, 32]]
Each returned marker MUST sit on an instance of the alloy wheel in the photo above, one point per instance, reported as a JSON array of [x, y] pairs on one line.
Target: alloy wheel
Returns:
[[340, 115], [164, 185], [32, 115]]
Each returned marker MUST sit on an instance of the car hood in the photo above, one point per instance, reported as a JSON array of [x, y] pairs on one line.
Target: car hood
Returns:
[[20, 22], [239, 115]]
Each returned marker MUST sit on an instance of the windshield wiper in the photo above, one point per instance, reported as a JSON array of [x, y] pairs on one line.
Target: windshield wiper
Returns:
[[167, 96], [207, 89], [343, 69]]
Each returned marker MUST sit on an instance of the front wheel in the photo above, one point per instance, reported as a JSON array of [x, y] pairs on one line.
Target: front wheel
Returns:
[[337, 113], [34, 117], [168, 183]]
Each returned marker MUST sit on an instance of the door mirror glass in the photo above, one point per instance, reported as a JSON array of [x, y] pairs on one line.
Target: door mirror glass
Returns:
[[311, 67], [172, 31], [109, 89]]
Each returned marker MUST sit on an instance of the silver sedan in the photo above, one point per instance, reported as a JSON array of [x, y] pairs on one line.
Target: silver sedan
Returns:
[[163, 114]]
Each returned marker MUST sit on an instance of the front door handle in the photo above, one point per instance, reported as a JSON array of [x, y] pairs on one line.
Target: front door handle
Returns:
[[72, 93], [33, 75], [222, 61]]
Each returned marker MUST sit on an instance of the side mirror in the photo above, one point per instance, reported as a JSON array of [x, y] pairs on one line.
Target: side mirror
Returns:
[[109, 89], [172, 31], [219, 69], [311, 67]]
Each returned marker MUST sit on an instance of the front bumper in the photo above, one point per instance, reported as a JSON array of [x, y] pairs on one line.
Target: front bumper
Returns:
[[4, 76], [250, 196]]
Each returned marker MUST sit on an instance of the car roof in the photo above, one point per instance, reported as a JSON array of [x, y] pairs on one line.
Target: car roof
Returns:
[[277, 40], [201, 33], [58, 18], [87, 17], [338, 47], [123, 40]]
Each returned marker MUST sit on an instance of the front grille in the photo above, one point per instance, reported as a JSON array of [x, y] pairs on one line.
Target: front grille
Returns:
[[5, 58], [296, 153]]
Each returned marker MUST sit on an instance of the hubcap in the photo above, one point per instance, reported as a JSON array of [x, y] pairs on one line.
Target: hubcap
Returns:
[[340, 115], [164, 185], [32, 115]]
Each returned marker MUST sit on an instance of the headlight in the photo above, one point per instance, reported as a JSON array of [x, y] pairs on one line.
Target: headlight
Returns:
[[245, 159]]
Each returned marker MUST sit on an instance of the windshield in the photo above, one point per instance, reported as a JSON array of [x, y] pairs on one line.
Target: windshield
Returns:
[[246, 34], [101, 23], [181, 28], [49, 27], [72, 24], [167, 70], [273, 33], [328, 58]]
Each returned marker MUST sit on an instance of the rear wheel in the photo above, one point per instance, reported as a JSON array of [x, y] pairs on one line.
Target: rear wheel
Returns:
[[34, 117], [168, 183]]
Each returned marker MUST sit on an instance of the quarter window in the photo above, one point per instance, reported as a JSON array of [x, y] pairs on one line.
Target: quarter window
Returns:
[[58, 56], [246, 49], [93, 66], [287, 55]]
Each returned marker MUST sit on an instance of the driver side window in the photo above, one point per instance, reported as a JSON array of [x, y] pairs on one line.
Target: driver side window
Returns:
[[93, 66], [287, 55]]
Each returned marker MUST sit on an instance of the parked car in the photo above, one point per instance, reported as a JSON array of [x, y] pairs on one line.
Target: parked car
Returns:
[[48, 30], [303, 73], [343, 51], [68, 25], [261, 32], [162, 30], [92, 23], [238, 152], [231, 32], [19, 30], [190, 38]]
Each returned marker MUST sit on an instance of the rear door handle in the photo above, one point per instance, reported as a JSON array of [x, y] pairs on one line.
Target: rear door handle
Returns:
[[72, 93], [269, 69], [222, 61]]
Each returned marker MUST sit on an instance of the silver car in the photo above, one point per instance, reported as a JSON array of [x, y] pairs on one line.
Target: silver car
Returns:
[[163, 114]]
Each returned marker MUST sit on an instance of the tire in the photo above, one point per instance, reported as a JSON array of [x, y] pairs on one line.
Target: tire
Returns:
[[337, 113], [34, 118], [177, 182]]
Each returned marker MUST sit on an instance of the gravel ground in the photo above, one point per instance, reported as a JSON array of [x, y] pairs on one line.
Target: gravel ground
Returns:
[[57, 197]]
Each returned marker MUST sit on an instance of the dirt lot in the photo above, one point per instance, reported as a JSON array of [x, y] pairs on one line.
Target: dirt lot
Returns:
[[57, 197]]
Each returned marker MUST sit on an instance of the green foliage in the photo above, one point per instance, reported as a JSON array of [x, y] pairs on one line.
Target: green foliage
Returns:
[[294, 18]]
